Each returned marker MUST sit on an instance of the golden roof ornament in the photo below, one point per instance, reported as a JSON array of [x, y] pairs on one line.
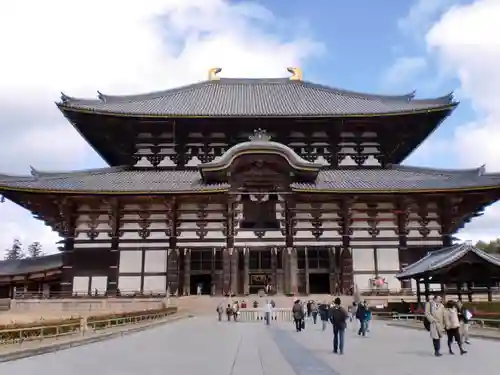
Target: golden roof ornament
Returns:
[[259, 135], [212, 74], [296, 74]]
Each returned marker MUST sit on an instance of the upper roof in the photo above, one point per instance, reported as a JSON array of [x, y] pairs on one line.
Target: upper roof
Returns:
[[126, 180], [263, 97], [30, 265], [439, 259]]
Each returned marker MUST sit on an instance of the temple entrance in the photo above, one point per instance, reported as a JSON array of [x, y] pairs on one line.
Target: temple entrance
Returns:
[[319, 283], [258, 281], [202, 280]]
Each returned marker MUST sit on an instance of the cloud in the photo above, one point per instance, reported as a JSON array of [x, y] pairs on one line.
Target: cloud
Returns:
[[404, 70], [421, 15], [465, 40], [116, 47]]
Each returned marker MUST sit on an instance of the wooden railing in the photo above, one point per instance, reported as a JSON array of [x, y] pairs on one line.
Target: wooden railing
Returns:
[[257, 315], [77, 326]]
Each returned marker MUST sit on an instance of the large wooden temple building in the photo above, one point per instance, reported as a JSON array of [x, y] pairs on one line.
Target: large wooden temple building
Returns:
[[236, 185]]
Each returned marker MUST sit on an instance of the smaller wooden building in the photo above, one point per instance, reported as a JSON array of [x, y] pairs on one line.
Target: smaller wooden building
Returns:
[[458, 269], [35, 277]]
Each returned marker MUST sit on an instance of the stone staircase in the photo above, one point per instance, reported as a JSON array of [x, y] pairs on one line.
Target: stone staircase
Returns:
[[206, 305]]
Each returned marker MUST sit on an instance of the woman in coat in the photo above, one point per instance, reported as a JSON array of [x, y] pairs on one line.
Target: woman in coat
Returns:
[[452, 326], [434, 313]]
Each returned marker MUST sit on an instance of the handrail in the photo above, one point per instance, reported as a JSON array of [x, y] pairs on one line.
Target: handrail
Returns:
[[81, 325], [482, 322]]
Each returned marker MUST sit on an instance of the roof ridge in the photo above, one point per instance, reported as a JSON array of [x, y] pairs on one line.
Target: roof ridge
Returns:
[[475, 171], [61, 174]]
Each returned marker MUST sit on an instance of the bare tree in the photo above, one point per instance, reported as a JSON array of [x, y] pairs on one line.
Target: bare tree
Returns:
[[35, 250], [15, 251]]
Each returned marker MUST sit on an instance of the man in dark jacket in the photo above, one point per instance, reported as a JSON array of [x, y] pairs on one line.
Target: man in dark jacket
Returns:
[[338, 316], [323, 314], [298, 315]]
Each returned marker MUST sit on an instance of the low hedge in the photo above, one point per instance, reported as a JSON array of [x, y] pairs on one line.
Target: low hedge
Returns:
[[15, 332], [40, 323], [99, 321]]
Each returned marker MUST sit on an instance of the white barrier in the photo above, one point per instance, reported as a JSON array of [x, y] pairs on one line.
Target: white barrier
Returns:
[[255, 315]]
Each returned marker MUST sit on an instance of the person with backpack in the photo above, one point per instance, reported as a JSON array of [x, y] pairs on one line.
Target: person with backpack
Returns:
[[361, 316], [338, 317]]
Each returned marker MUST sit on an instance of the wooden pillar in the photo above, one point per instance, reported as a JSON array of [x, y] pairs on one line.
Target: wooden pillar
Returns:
[[459, 291], [290, 267], [114, 251], [306, 270], [346, 232], [246, 271], [426, 289], [227, 255], [419, 292], [68, 211], [402, 232], [234, 271], [469, 291], [187, 272], [274, 267], [173, 255], [292, 256]]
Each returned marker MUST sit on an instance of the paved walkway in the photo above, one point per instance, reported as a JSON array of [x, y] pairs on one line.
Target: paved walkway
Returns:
[[200, 345]]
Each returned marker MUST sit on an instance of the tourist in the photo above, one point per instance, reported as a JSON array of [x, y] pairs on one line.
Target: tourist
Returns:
[[229, 312], [464, 315], [452, 326], [368, 316], [361, 316], [314, 311], [308, 307], [236, 311], [434, 313], [338, 317], [268, 309], [220, 311], [323, 314], [298, 315]]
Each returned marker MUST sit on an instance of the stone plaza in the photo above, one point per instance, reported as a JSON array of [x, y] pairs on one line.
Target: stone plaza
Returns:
[[203, 345]]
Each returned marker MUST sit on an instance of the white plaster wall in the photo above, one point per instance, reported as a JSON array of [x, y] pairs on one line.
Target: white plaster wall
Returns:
[[155, 261], [388, 259], [129, 284], [130, 261], [155, 284], [81, 284], [100, 283], [362, 259], [363, 281]]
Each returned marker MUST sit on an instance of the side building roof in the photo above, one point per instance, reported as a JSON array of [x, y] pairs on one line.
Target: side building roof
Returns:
[[241, 97], [126, 180], [30, 265], [445, 257]]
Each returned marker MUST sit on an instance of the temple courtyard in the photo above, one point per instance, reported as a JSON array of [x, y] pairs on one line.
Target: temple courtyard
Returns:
[[202, 345]]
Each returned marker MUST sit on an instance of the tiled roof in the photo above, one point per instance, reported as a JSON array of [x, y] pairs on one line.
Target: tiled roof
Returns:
[[237, 97], [122, 179], [438, 259], [30, 265]]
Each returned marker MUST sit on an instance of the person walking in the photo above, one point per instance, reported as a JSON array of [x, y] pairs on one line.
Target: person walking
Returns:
[[298, 315], [323, 314], [220, 311], [434, 313], [268, 309], [338, 317], [314, 311], [464, 315], [361, 316], [452, 326]]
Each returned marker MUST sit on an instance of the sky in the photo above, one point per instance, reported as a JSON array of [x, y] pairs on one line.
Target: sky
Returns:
[[125, 46]]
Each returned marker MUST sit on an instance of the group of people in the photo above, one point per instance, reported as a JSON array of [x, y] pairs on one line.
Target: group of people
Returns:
[[232, 311], [451, 320], [336, 315]]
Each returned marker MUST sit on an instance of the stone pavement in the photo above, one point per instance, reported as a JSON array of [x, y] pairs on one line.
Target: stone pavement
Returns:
[[201, 345]]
